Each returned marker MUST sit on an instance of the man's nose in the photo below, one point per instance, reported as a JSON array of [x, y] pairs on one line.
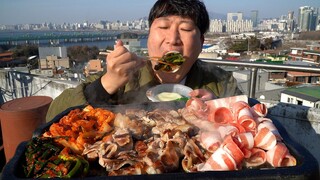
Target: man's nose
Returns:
[[173, 37]]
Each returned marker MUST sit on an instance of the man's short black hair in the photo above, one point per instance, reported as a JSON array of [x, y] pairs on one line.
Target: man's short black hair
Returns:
[[193, 9]]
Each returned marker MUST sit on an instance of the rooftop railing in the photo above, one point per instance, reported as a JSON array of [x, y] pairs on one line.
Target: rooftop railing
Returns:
[[254, 66]]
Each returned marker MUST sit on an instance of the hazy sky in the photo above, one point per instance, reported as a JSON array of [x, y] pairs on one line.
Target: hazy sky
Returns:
[[71, 11]]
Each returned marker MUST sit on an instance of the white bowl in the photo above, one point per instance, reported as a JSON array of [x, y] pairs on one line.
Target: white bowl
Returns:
[[153, 92]]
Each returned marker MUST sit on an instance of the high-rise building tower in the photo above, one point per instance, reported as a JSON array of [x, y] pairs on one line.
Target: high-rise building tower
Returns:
[[254, 17], [235, 23], [318, 20], [290, 21], [290, 14], [307, 19], [234, 16]]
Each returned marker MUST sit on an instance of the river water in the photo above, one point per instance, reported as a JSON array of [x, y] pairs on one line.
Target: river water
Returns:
[[102, 44]]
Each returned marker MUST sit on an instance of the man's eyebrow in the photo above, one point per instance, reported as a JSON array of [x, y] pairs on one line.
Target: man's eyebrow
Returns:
[[188, 21], [183, 21], [162, 18]]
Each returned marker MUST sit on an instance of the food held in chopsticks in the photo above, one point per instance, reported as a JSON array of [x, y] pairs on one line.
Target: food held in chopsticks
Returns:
[[173, 60], [170, 62]]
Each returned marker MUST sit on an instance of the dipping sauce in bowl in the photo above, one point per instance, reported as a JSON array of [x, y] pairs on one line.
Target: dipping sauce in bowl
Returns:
[[168, 92], [169, 96]]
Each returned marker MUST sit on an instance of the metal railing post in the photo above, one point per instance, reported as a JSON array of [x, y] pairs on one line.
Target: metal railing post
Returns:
[[253, 80]]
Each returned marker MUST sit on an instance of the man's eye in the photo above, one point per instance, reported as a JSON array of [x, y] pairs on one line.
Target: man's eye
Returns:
[[163, 27], [186, 29]]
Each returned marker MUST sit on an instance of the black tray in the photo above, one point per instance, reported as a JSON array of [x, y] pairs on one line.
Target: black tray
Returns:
[[306, 168]]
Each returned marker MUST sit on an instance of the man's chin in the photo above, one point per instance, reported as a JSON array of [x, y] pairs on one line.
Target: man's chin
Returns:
[[169, 78]]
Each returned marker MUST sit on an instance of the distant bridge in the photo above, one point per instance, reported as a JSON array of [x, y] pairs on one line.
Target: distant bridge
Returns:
[[44, 37]]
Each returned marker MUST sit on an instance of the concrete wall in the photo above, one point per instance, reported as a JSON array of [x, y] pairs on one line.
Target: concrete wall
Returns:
[[14, 84], [301, 123]]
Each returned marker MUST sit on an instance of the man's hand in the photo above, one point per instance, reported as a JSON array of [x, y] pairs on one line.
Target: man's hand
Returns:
[[203, 94], [121, 65]]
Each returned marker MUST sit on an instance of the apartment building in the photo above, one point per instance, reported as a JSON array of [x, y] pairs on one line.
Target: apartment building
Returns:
[[94, 66], [310, 54], [52, 62], [53, 57]]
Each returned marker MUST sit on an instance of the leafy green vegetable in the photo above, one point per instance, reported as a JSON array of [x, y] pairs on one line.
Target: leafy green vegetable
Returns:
[[174, 60]]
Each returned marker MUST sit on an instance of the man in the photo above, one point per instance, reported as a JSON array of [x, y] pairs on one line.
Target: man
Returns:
[[175, 25]]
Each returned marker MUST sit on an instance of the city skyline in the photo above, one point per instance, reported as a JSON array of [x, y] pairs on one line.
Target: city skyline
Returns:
[[72, 11]]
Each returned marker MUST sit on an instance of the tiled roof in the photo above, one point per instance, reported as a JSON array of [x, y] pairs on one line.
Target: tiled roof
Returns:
[[293, 73], [6, 54]]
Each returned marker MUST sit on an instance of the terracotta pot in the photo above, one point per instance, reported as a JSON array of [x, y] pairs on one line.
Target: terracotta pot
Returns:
[[19, 118]]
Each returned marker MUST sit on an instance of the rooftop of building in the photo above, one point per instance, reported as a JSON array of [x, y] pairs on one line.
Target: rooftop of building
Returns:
[[311, 93], [312, 52]]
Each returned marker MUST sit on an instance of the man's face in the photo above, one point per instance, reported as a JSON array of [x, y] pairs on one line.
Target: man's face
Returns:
[[174, 33]]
